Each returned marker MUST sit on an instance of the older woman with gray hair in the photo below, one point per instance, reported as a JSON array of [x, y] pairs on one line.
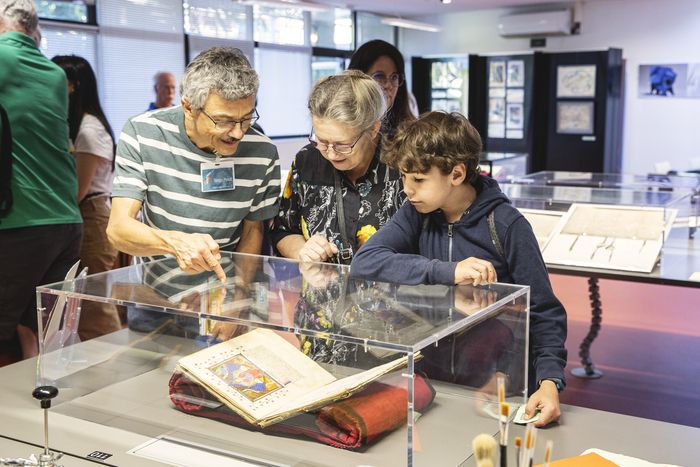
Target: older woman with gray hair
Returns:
[[176, 166], [338, 192]]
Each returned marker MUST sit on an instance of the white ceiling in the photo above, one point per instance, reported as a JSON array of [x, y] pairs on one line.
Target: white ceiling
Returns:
[[431, 7]]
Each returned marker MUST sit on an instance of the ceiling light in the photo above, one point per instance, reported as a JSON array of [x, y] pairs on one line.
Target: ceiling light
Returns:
[[306, 6], [410, 24], [446, 2]]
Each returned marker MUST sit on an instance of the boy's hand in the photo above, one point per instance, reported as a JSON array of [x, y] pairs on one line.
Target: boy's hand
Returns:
[[317, 248], [475, 271], [546, 400]]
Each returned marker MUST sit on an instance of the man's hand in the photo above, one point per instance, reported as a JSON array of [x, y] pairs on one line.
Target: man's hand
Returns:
[[196, 253], [475, 271], [546, 400], [317, 248]]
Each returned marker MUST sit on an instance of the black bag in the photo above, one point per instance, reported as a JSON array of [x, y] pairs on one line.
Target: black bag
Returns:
[[5, 164]]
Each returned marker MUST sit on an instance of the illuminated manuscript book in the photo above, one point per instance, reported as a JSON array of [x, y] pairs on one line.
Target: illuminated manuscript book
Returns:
[[265, 379]]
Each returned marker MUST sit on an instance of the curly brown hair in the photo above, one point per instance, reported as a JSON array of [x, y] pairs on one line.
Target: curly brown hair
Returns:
[[436, 139]]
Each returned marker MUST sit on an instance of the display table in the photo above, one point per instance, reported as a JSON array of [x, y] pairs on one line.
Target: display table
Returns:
[[451, 418]]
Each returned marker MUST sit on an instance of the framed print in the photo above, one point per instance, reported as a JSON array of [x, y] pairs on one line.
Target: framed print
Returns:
[[497, 130], [497, 92], [514, 134], [576, 81], [665, 80], [514, 116], [516, 73], [497, 110], [497, 73], [515, 95], [575, 118]]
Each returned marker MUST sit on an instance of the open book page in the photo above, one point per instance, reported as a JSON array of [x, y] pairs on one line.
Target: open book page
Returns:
[[340, 388], [256, 374]]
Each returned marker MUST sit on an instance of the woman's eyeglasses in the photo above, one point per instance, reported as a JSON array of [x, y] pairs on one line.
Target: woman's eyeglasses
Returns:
[[336, 147], [395, 79]]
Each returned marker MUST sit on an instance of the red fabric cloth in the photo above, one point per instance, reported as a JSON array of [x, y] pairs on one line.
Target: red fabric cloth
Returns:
[[352, 423]]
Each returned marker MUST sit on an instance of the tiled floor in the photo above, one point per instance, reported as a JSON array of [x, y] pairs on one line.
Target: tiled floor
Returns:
[[648, 349]]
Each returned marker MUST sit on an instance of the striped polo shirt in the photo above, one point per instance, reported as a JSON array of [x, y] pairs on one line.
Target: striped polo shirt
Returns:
[[158, 165]]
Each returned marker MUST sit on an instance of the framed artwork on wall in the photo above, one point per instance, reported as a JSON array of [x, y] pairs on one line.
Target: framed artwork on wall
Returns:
[[516, 73], [497, 74], [575, 117], [514, 116], [576, 81]]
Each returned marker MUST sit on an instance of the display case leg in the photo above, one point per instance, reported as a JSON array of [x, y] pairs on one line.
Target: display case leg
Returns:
[[588, 370]]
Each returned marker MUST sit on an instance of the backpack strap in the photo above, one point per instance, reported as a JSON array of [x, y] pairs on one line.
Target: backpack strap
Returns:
[[491, 218], [5, 164]]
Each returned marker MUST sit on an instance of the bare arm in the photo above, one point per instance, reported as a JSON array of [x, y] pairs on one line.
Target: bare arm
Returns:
[[290, 245], [194, 252], [86, 166], [251, 237]]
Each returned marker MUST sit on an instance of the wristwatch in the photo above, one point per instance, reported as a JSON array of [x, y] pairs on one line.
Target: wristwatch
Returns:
[[557, 382]]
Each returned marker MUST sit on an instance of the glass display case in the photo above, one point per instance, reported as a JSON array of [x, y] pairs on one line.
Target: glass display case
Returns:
[[282, 364], [621, 228], [504, 166], [682, 191]]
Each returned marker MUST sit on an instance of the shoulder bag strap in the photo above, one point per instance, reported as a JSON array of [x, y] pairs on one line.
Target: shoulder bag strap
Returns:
[[491, 218]]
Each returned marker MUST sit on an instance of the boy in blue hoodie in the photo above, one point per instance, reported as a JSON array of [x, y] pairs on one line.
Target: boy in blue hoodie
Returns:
[[442, 236]]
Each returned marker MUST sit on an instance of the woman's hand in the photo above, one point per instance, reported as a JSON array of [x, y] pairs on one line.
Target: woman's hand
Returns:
[[318, 249]]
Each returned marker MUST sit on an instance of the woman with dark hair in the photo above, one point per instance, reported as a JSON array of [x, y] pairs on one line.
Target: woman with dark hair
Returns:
[[384, 63], [92, 144]]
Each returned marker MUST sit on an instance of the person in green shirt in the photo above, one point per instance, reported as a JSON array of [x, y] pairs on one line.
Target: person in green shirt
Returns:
[[40, 235]]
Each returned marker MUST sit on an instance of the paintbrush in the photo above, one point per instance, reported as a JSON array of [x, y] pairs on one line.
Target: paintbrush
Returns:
[[503, 430], [518, 442], [484, 450], [548, 452]]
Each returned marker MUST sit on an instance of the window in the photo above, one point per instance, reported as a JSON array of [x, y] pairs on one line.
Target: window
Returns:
[[285, 83], [332, 29], [137, 39], [197, 45], [216, 18], [326, 66], [56, 40], [279, 25], [75, 11], [371, 27]]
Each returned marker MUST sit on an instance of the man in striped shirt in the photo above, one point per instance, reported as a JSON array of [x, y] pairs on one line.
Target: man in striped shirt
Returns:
[[202, 178]]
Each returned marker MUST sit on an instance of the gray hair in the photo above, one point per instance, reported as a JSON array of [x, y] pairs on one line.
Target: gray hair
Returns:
[[19, 15], [352, 98], [223, 70]]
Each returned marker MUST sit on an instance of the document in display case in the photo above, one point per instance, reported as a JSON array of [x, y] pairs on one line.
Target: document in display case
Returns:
[[421, 363], [609, 237]]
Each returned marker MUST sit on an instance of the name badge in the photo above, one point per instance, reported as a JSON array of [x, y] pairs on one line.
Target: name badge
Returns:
[[217, 176]]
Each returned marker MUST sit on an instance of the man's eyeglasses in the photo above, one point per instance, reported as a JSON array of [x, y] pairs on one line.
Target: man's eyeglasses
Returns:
[[344, 149], [395, 79], [228, 125]]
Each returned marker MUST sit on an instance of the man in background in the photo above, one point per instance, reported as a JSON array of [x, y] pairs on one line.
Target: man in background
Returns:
[[164, 84], [40, 234]]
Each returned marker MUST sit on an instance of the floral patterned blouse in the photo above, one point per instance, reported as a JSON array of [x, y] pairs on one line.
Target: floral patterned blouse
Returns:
[[308, 205]]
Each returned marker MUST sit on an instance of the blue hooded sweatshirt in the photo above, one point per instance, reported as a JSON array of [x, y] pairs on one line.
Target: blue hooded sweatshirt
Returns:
[[411, 249]]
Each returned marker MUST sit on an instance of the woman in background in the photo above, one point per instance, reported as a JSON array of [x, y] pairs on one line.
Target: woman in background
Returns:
[[93, 147], [384, 63]]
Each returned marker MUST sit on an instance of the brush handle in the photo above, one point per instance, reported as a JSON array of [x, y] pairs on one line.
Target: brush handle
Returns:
[[504, 456]]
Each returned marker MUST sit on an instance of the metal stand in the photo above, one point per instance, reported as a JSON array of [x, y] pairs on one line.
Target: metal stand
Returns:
[[47, 458], [588, 370]]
